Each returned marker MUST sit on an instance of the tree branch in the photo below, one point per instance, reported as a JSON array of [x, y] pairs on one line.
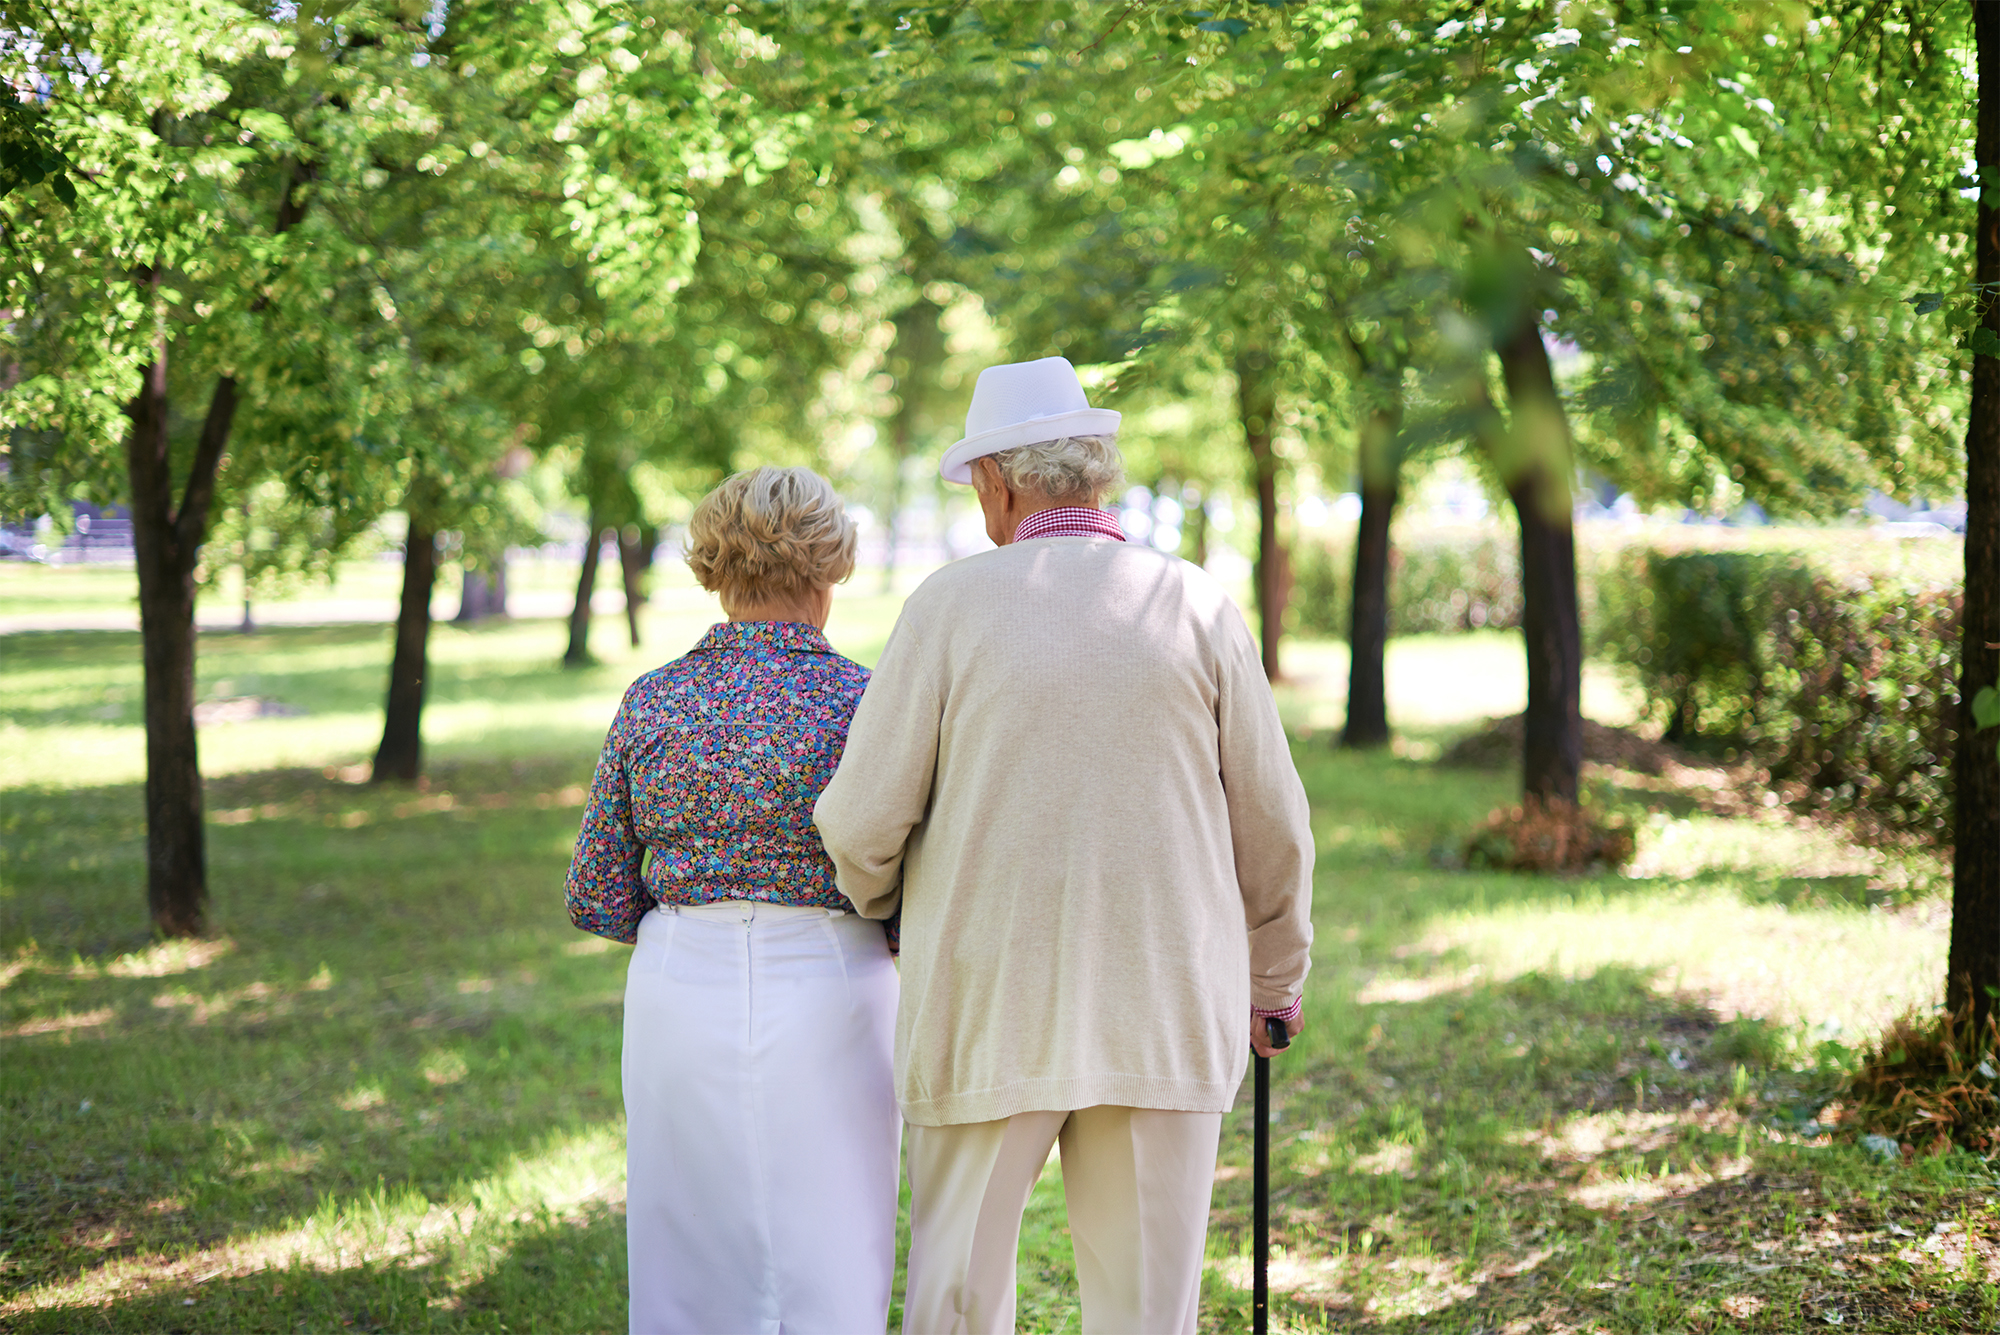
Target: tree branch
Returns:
[[190, 521], [1116, 23]]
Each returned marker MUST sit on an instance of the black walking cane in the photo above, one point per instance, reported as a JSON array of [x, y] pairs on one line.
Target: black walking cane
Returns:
[[1260, 1292]]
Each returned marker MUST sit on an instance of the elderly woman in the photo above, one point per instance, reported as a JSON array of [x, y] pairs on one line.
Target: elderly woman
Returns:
[[762, 1129]]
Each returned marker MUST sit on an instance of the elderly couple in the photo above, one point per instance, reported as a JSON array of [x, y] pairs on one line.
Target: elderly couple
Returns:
[[1064, 793]]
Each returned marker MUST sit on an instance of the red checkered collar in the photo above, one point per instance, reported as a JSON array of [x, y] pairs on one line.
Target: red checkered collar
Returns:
[[1069, 521]]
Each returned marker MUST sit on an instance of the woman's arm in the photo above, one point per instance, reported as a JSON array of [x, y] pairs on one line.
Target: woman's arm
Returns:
[[603, 890]]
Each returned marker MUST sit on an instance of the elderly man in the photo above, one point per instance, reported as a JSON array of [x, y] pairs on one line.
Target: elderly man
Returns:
[[1069, 773]]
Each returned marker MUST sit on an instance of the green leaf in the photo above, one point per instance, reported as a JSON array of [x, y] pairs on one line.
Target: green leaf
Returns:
[[1926, 302], [65, 191], [267, 125], [1744, 140], [1986, 708], [1984, 342], [1233, 27], [1986, 713]]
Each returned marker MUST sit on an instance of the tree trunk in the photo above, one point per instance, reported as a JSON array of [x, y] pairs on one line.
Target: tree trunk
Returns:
[[913, 359], [400, 757], [166, 543], [1973, 970], [484, 591], [1197, 515], [248, 626], [1536, 468], [635, 558], [1256, 402], [899, 447], [176, 860], [1368, 635], [578, 653]]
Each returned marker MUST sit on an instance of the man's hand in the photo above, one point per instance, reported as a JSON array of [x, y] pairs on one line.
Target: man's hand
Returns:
[[1260, 1042]]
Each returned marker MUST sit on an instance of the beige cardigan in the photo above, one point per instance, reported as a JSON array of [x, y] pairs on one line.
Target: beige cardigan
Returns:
[[1071, 756]]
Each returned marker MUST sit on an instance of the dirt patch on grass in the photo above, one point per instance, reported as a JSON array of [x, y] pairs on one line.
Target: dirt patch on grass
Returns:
[[1497, 745], [1630, 759]]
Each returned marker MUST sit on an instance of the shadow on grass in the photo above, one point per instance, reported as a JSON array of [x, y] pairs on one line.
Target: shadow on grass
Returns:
[[558, 1274], [1570, 1154], [1760, 1252]]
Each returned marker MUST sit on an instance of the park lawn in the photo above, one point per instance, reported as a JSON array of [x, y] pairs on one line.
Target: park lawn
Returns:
[[385, 1095]]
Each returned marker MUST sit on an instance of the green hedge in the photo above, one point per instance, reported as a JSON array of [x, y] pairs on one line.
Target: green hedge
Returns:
[[1844, 689], [1837, 677], [1437, 585]]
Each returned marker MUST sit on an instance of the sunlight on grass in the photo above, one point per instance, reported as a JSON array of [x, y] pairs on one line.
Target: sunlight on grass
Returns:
[[169, 957], [1701, 843], [1834, 971], [1437, 681]]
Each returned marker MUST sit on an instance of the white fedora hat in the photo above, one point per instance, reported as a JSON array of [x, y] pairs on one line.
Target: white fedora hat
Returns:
[[1024, 403]]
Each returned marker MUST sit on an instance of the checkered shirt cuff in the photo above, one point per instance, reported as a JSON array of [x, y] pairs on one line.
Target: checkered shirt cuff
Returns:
[[1287, 1014]]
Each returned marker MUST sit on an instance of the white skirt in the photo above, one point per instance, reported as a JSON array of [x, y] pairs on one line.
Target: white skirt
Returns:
[[761, 1122]]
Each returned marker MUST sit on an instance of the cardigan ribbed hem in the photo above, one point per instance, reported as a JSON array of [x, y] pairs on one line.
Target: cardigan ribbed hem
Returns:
[[1070, 1093]]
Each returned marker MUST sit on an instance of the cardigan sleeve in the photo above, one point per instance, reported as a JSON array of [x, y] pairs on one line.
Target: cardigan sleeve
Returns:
[[882, 787], [603, 890], [1270, 826]]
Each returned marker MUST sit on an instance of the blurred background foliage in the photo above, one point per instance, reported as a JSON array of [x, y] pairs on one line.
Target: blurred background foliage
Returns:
[[663, 240]]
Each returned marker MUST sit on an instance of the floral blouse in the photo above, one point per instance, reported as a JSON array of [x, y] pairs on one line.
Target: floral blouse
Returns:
[[713, 764]]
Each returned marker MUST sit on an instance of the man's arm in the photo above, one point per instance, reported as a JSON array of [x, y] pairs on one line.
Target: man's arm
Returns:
[[882, 787], [1270, 829]]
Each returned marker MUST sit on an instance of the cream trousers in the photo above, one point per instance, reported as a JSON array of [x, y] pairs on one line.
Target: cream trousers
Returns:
[[761, 1122], [1137, 1184]]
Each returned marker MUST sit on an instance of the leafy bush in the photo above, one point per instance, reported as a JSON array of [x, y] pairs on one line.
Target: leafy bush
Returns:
[[1550, 837], [1698, 632], [1438, 584], [1844, 691]]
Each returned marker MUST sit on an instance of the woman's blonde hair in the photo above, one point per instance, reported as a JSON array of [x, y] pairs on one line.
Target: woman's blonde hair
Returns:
[[770, 533]]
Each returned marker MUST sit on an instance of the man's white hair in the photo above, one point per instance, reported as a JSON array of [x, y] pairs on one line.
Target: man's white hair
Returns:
[[1076, 470]]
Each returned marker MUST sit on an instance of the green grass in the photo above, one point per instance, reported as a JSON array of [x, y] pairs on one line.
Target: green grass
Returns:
[[385, 1097]]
